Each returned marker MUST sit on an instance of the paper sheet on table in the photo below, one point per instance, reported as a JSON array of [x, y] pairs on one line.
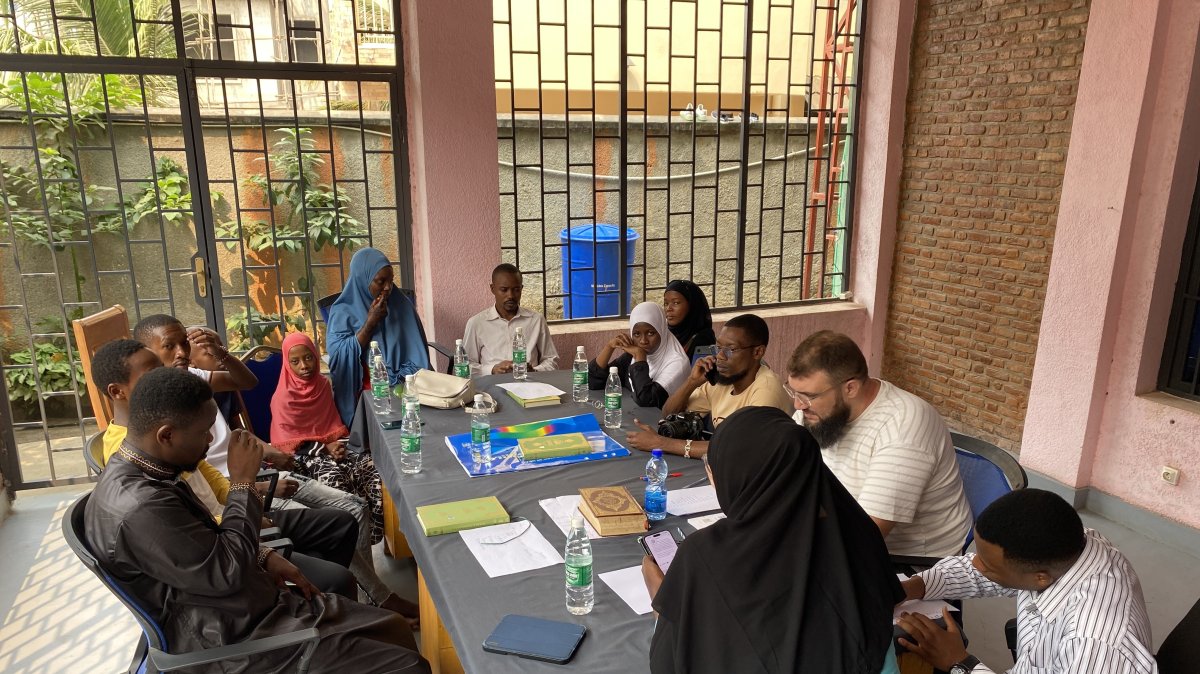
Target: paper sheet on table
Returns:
[[560, 510], [694, 500], [503, 549], [705, 520], [630, 587], [931, 608], [532, 389]]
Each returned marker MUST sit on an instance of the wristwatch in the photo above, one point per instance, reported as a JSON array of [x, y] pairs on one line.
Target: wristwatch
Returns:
[[966, 666]]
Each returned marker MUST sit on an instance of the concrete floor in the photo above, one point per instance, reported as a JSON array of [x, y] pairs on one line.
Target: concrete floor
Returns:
[[56, 617]]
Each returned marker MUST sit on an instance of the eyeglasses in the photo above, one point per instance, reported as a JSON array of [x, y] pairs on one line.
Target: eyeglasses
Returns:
[[727, 352], [807, 400]]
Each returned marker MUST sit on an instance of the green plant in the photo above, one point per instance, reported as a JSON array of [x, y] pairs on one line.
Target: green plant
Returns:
[[314, 209], [169, 192], [250, 327], [53, 369]]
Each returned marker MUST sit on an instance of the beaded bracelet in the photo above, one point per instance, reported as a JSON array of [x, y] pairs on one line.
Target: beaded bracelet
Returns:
[[263, 553], [246, 486]]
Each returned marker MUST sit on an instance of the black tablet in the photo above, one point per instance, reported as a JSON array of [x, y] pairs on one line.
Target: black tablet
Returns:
[[535, 638]]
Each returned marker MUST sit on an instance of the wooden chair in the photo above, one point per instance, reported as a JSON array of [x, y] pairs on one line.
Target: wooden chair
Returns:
[[91, 333]]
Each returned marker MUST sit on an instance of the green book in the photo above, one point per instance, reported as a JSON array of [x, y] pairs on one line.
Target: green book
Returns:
[[554, 446], [447, 518]]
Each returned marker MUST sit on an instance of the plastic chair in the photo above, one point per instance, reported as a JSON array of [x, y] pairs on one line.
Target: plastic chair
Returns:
[[266, 362], [93, 453], [152, 654], [1180, 651], [326, 302]]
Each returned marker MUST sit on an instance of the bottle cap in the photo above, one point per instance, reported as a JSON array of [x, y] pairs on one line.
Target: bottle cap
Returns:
[[458, 342], [576, 520], [519, 330], [378, 360], [479, 400], [656, 453], [579, 350], [612, 370], [374, 344]]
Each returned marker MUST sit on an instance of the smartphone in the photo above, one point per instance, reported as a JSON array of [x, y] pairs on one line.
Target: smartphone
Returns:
[[703, 351], [662, 547]]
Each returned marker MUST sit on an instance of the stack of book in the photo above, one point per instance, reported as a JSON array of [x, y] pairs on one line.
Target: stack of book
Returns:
[[553, 446], [447, 518], [533, 394], [612, 511]]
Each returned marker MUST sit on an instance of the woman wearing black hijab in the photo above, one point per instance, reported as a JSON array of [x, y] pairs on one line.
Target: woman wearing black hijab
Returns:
[[688, 316], [796, 578]]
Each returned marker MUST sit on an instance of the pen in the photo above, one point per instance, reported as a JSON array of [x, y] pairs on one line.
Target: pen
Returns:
[[668, 475]]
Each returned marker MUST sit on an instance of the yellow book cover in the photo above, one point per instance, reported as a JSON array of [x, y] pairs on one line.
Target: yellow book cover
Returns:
[[554, 446], [447, 518]]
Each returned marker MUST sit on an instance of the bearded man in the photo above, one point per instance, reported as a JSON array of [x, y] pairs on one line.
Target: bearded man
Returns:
[[889, 448]]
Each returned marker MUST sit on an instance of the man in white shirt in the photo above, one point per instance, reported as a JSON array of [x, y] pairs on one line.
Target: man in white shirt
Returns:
[[489, 334], [1079, 603], [889, 448]]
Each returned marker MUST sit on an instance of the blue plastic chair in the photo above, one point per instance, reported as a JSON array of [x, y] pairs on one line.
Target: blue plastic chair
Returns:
[[152, 653], [988, 473], [266, 362]]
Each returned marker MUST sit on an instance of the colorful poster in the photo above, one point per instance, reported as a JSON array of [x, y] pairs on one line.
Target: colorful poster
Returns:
[[506, 454]]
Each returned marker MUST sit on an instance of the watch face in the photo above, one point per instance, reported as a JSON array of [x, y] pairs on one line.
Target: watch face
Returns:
[[959, 669]]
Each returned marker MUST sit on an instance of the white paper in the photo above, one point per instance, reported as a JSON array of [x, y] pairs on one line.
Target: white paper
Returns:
[[705, 520], [524, 548], [931, 608], [694, 500], [630, 587], [560, 510], [532, 389]]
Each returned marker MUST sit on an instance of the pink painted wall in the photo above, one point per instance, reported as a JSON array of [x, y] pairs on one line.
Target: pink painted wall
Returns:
[[1131, 171], [452, 158]]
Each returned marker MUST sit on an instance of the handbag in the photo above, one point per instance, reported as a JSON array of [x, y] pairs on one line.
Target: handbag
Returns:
[[443, 391]]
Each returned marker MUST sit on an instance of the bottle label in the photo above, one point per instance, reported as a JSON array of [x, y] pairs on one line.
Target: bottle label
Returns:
[[579, 575], [410, 445], [479, 435], [612, 401], [462, 370], [579, 378], [518, 357], [379, 389]]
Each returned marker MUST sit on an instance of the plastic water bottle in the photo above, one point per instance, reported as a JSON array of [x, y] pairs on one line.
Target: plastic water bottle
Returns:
[[381, 394], [481, 430], [520, 364], [462, 366], [410, 394], [656, 486], [578, 557], [612, 400], [410, 441], [375, 351], [579, 377]]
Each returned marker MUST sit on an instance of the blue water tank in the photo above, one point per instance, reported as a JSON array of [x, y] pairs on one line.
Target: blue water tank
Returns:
[[591, 260]]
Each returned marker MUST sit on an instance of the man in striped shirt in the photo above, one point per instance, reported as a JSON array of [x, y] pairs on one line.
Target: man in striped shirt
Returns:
[[1079, 603], [889, 448]]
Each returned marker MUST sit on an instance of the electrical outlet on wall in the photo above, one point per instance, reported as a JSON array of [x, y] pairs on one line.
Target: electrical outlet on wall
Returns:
[[1170, 475]]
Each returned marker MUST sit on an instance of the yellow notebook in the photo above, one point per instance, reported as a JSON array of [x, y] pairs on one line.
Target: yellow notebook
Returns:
[[447, 518], [554, 446]]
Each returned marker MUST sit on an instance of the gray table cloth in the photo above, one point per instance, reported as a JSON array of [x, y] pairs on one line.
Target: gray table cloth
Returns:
[[469, 603]]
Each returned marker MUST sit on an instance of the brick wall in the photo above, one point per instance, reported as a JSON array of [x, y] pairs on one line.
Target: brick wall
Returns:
[[988, 120]]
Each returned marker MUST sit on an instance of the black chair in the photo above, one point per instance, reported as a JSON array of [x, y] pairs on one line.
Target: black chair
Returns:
[[1180, 651], [324, 303], [93, 453], [152, 654]]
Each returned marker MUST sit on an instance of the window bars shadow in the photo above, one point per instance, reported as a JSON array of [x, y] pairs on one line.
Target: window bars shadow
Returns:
[[643, 141]]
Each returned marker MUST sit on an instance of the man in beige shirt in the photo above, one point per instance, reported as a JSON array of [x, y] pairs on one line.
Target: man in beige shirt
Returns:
[[489, 334], [741, 381]]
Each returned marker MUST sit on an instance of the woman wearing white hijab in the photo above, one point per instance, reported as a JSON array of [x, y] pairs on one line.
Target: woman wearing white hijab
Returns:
[[653, 365]]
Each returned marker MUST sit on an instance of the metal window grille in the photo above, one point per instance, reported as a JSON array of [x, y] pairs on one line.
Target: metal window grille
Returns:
[[598, 125], [217, 160], [1180, 373]]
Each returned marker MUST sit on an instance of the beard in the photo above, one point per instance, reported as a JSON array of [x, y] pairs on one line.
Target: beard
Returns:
[[729, 379], [830, 429]]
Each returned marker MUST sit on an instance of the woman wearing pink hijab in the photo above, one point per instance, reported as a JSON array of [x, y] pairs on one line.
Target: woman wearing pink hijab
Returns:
[[305, 423]]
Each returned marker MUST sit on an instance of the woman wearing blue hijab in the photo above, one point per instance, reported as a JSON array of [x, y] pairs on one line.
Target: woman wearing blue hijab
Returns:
[[370, 308]]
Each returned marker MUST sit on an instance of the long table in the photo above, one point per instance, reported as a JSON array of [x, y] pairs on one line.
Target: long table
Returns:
[[468, 603]]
